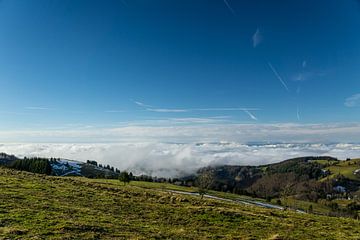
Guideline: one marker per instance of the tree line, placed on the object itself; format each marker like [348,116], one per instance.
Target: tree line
[34,165]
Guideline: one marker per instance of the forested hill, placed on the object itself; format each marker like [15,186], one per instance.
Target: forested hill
[6,159]
[59,167]
[306,178]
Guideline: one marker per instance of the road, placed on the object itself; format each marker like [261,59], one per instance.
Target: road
[246,202]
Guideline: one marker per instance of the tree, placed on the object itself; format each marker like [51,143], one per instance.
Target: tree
[204,181]
[310,210]
[124,177]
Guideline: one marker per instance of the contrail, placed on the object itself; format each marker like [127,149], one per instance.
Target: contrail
[225,109]
[298,113]
[229,7]
[182,110]
[166,110]
[278,76]
[124,3]
[250,115]
[142,104]
[152,109]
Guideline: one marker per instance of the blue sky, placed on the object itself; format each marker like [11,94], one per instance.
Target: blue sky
[65,64]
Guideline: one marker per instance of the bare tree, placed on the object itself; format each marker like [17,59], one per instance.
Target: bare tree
[124,177]
[204,182]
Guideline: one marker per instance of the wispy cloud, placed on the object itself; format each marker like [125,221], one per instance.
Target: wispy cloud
[257,38]
[166,110]
[114,111]
[206,120]
[176,121]
[307,74]
[277,75]
[183,110]
[304,64]
[147,131]
[38,108]
[225,109]
[353,101]
[11,113]
[229,7]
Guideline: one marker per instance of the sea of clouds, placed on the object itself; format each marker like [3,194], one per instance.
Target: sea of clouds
[170,151]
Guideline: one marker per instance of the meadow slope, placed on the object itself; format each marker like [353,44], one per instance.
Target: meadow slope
[36,206]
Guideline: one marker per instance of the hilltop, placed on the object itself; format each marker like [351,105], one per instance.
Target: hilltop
[35,206]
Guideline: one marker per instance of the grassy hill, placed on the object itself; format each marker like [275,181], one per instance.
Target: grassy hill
[36,206]
[345,168]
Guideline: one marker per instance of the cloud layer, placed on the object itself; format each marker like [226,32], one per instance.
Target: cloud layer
[191,130]
[174,146]
[175,159]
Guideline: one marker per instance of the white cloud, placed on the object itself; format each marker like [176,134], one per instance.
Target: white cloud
[257,38]
[308,75]
[176,145]
[38,108]
[173,159]
[11,113]
[186,130]
[353,101]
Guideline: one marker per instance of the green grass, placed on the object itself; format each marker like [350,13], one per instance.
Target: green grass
[43,207]
[319,208]
[345,168]
[173,187]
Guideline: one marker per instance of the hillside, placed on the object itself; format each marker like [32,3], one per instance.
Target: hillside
[36,206]
[255,179]
[349,169]
[59,166]
[323,184]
